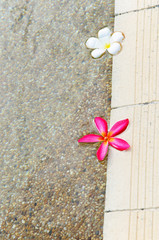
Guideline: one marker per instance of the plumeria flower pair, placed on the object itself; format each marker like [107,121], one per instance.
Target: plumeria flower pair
[105,42]
[107,137]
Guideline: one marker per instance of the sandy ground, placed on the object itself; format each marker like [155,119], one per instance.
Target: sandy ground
[51,187]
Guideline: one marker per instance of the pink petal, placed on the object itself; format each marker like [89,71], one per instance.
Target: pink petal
[91,138]
[102,151]
[119,144]
[118,127]
[101,125]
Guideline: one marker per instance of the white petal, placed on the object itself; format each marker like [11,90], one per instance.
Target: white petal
[97,53]
[104,32]
[93,43]
[104,41]
[115,48]
[117,37]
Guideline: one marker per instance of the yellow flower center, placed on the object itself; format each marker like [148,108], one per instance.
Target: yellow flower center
[107,45]
[106,139]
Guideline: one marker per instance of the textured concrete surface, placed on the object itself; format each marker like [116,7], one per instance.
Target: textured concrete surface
[51,89]
[132,191]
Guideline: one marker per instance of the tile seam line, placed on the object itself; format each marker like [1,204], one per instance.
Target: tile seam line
[137,104]
[136,10]
[133,210]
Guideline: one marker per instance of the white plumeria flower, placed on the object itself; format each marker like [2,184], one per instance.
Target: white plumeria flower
[105,42]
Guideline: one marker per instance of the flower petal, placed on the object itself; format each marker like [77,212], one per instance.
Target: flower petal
[102,151]
[118,127]
[101,125]
[93,43]
[104,32]
[115,48]
[97,53]
[91,138]
[117,37]
[119,144]
[105,41]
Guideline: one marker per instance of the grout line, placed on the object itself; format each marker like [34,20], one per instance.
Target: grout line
[129,226]
[156,85]
[150,55]
[139,159]
[136,10]
[146,169]
[136,58]
[144,232]
[131,173]
[137,104]
[152,225]
[133,210]
[135,89]
[143,53]
[153,166]
[153,173]
[137,226]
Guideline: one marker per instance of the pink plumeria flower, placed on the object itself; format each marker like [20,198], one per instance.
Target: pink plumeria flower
[105,42]
[107,137]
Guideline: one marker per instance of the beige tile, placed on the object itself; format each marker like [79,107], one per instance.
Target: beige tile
[132,192]
[123,74]
[132,225]
[126,6]
[119,167]
[133,175]
[116,225]
[135,69]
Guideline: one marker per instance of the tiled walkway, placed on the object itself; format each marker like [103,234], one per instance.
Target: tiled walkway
[132,192]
